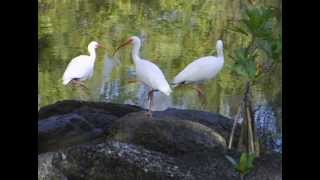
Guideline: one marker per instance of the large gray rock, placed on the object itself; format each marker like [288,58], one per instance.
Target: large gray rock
[109,161]
[167,135]
[215,121]
[71,122]
[81,140]
[114,160]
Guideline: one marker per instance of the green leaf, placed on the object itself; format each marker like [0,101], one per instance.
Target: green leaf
[251,69]
[245,164]
[259,21]
[240,71]
[240,55]
[238,30]
[276,48]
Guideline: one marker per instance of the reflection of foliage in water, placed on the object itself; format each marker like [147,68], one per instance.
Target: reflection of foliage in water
[268,131]
[175,32]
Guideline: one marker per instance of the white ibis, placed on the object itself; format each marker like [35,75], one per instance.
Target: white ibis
[81,68]
[202,69]
[147,72]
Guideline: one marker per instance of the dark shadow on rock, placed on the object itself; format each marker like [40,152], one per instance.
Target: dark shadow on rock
[61,131]
[268,166]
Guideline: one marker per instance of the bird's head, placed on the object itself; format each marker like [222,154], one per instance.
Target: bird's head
[219,44]
[94,45]
[131,40]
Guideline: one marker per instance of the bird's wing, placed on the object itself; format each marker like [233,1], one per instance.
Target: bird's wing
[151,75]
[77,68]
[200,69]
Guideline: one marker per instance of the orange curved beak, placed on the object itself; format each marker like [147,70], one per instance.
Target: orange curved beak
[100,46]
[122,45]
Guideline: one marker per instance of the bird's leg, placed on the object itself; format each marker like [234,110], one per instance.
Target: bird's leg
[132,81]
[81,84]
[199,90]
[78,83]
[72,84]
[150,98]
[201,93]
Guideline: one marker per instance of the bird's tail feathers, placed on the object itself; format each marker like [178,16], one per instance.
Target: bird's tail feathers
[167,91]
[65,81]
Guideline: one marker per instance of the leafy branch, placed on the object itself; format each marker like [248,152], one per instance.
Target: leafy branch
[257,24]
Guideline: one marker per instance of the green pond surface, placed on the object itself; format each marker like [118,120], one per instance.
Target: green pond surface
[173,33]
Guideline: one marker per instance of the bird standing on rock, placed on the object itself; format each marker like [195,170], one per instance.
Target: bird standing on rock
[81,67]
[202,69]
[147,72]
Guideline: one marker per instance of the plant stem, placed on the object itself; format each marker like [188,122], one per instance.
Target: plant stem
[246,129]
[241,177]
[254,130]
[250,131]
[234,125]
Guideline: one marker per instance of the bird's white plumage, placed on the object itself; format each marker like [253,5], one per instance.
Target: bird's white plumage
[151,75]
[202,69]
[81,67]
[148,72]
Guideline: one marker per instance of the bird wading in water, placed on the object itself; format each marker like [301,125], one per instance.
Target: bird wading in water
[81,68]
[202,69]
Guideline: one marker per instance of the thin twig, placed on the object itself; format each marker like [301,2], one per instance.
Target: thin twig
[234,125]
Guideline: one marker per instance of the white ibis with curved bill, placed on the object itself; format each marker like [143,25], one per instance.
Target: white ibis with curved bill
[202,69]
[81,67]
[147,72]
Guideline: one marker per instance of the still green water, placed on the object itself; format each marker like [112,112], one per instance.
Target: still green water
[174,33]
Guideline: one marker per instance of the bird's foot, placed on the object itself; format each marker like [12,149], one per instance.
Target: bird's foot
[199,90]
